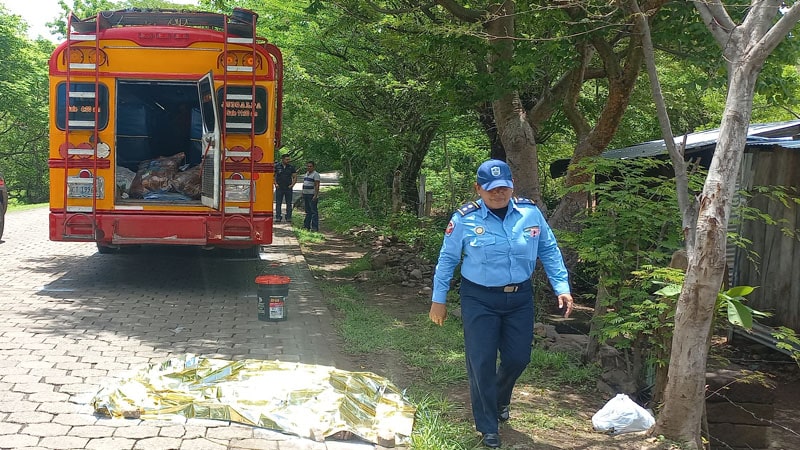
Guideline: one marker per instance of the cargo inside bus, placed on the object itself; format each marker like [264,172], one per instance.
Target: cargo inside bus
[158,149]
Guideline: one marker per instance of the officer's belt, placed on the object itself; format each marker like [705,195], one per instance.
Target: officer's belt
[509,288]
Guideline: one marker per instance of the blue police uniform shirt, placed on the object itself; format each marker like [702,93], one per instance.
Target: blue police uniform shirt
[498,252]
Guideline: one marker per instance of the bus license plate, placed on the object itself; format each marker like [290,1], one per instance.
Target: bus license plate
[82,187]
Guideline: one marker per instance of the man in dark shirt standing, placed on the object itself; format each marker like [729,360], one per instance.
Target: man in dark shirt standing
[285,178]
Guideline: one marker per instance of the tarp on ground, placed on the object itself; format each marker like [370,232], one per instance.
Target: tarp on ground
[310,401]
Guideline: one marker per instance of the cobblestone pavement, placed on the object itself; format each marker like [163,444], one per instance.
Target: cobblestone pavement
[72,320]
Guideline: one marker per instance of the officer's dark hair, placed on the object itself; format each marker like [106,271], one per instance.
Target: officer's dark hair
[286,155]
[312,163]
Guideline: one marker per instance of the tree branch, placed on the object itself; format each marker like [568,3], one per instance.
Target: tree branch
[717,20]
[679,164]
[778,32]
[573,92]
[462,13]
[377,8]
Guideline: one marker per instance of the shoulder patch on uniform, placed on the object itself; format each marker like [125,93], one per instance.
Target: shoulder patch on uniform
[450,226]
[468,208]
[524,201]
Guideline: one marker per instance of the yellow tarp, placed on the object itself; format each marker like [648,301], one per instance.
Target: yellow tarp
[311,401]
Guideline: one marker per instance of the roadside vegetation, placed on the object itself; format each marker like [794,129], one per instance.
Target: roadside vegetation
[625,248]
[433,357]
[393,93]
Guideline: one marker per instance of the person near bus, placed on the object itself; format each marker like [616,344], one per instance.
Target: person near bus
[311,181]
[285,178]
[499,239]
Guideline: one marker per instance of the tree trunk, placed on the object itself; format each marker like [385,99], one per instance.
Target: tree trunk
[520,145]
[517,136]
[397,198]
[593,145]
[600,310]
[413,164]
[486,118]
[684,394]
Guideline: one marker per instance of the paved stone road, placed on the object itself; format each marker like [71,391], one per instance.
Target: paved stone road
[71,320]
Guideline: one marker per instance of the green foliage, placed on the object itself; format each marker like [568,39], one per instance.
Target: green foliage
[340,211]
[730,303]
[342,214]
[632,230]
[305,237]
[634,222]
[752,208]
[644,321]
[788,340]
[23,111]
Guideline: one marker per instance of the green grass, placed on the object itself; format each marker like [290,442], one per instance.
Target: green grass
[354,268]
[14,206]
[306,237]
[437,427]
[437,351]
[556,369]
[551,417]
[339,214]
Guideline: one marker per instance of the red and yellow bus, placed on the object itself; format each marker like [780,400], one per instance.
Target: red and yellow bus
[163,130]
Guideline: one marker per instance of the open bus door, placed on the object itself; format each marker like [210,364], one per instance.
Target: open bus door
[212,151]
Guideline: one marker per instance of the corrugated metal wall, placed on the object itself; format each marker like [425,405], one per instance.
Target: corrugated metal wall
[776,270]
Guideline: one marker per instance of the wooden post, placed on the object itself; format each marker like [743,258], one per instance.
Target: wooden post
[396,196]
[421,196]
[428,203]
[362,195]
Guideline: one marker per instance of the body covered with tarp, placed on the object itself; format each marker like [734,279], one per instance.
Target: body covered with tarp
[310,401]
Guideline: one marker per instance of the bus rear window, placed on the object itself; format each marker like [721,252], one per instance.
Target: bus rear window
[238,108]
[81,106]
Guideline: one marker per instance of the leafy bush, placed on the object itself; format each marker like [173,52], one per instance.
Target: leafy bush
[342,214]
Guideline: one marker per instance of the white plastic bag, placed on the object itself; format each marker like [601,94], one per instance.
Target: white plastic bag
[622,415]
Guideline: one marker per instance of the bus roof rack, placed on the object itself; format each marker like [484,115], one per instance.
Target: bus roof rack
[240,22]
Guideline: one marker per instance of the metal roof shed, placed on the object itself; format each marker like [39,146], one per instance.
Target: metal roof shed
[771,158]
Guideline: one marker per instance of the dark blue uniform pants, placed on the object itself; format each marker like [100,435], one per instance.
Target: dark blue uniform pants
[281,195]
[495,321]
[311,221]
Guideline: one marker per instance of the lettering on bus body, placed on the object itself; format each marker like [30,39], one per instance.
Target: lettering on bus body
[83,109]
[240,111]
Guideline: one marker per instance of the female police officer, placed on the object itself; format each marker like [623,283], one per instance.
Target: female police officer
[500,239]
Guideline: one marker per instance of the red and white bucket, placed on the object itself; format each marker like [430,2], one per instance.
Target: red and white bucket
[272,293]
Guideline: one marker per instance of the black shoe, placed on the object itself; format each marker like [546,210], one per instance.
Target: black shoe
[491,440]
[278,220]
[503,413]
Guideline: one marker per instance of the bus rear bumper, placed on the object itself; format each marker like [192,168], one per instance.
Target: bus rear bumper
[200,229]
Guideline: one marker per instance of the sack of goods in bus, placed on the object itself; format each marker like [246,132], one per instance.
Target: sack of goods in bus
[159,130]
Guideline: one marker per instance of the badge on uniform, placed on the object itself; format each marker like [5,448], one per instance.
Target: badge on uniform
[449,229]
[534,231]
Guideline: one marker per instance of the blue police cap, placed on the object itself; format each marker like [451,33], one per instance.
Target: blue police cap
[494,173]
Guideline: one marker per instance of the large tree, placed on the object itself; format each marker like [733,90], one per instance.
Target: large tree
[745,45]
[23,110]
[596,41]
